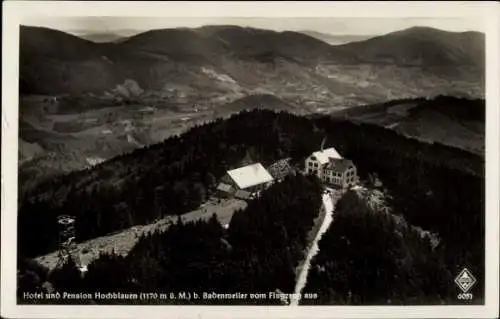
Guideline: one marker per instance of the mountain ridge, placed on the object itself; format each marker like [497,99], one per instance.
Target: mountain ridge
[45,50]
[114,97]
[450,48]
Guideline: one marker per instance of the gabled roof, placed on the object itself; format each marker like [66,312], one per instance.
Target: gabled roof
[224,187]
[341,165]
[250,175]
[324,156]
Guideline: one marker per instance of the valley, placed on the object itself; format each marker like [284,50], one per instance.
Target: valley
[133,135]
[83,102]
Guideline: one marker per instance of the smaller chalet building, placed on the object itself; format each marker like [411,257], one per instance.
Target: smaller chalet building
[244,182]
[280,169]
[331,168]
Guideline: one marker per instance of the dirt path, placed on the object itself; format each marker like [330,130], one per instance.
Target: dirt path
[329,201]
[123,241]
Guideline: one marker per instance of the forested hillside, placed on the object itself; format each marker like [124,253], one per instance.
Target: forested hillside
[83,102]
[258,253]
[436,187]
[372,257]
[169,178]
[175,176]
[448,120]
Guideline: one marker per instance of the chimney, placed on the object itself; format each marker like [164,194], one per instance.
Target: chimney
[323,143]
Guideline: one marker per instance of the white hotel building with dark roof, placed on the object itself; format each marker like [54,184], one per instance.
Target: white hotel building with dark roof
[332,168]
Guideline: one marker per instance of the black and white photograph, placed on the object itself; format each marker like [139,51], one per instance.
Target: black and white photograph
[236,158]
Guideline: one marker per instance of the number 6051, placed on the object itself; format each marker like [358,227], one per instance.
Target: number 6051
[467,296]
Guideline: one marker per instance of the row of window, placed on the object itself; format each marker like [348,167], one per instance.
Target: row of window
[349,174]
[332,173]
[336,181]
[339,181]
[312,170]
[313,164]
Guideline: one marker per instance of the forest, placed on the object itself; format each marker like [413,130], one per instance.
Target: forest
[169,178]
[258,253]
[446,198]
[436,187]
[370,257]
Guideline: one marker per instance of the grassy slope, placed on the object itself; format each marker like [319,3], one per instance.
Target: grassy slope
[444,120]
[123,241]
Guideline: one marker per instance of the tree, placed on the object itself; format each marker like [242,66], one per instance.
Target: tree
[67,278]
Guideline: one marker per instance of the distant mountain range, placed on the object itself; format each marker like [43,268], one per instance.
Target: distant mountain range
[103,37]
[113,97]
[423,46]
[406,63]
[337,39]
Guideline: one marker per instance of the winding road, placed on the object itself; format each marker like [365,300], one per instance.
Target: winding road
[329,201]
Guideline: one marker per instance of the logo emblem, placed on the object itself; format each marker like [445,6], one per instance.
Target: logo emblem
[465,280]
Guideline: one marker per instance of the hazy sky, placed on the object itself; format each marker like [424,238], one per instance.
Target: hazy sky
[348,26]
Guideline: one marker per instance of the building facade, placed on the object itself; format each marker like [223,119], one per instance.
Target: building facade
[245,182]
[331,168]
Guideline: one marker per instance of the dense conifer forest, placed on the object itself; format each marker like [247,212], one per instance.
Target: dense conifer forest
[436,187]
[371,257]
[258,253]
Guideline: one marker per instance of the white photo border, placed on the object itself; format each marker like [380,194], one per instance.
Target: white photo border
[17,12]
